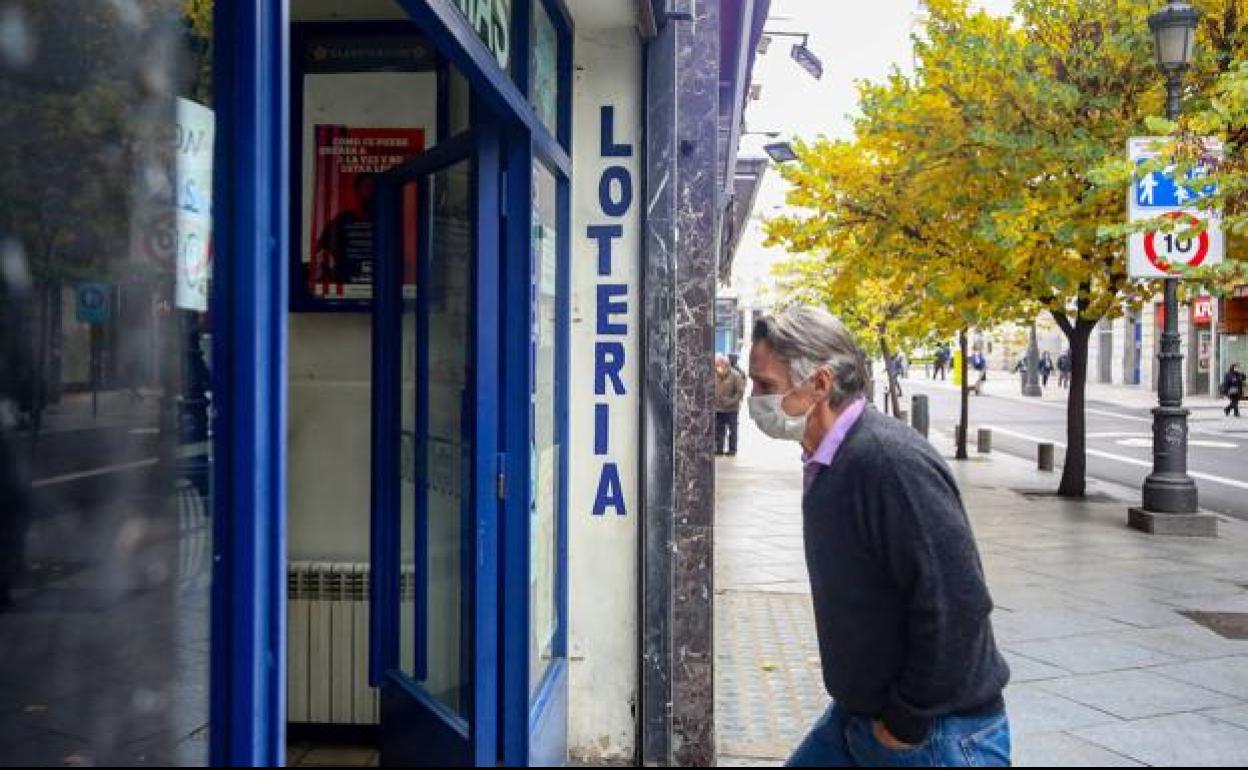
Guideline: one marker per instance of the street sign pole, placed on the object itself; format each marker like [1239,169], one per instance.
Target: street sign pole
[1170,504]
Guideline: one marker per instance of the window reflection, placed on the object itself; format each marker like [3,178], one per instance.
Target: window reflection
[105,381]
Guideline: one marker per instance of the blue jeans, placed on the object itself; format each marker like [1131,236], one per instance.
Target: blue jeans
[841,739]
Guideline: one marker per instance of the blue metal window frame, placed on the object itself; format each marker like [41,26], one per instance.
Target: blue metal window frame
[523,711]
[248,673]
[448,737]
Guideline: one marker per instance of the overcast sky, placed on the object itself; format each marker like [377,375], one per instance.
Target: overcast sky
[856,40]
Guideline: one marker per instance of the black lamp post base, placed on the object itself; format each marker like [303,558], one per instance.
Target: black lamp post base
[1173,524]
[1170,492]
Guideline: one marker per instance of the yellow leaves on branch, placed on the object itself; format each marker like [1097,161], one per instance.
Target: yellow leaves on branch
[989,183]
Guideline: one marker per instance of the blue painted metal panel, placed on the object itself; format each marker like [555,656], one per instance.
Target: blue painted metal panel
[516,301]
[487,397]
[248,692]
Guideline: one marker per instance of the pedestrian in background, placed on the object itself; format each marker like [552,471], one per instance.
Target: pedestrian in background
[1046,369]
[1233,388]
[941,361]
[980,365]
[729,390]
[1021,368]
[901,605]
[1063,369]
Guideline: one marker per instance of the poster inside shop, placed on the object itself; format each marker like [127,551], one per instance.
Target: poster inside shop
[348,160]
[365,102]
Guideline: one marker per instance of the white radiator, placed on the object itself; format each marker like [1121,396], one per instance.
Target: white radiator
[327,658]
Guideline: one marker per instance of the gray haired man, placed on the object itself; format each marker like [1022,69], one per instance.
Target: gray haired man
[901,606]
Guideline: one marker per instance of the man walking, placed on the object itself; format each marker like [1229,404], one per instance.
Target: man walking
[942,360]
[1046,369]
[901,606]
[729,390]
[1063,369]
[1233,388]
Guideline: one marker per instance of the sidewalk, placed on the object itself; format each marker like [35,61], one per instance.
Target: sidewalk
[1206,411]
[1106,672]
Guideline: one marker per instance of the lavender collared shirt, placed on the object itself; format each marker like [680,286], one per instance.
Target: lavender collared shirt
[823,456]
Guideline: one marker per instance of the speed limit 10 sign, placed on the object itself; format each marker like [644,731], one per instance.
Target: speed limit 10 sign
[1157,254]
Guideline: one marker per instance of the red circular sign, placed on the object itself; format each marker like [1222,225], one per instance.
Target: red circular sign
[1185,251]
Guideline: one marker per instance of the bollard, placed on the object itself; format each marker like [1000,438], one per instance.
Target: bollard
[985,441]
[1044,457]
[919,415]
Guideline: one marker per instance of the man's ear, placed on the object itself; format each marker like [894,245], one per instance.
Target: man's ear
[823,382]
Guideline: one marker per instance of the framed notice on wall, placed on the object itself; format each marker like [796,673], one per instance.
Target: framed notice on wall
[365,99]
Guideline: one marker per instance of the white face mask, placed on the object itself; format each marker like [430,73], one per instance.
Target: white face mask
[769,415]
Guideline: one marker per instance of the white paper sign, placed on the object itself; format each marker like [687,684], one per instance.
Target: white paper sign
[194,142]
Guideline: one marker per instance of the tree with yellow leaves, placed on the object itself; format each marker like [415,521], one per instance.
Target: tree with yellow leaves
[884,234]
[992,143]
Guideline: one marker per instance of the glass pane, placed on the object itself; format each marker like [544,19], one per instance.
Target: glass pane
[105,387]
[444,436]
[545,504]
[408,395]
[544,68]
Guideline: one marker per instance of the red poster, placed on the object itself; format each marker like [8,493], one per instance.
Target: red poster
[346,164]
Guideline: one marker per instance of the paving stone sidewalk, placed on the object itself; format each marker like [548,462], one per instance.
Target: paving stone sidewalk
[1106,669]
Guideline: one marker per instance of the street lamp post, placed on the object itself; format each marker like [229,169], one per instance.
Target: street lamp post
[1170,503]
[1031,380]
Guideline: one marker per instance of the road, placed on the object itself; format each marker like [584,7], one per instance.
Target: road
[1119,441]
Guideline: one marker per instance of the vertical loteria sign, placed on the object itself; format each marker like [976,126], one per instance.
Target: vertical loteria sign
[611,316]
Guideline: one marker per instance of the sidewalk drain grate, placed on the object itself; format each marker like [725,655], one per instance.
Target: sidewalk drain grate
[1049,494]
[1228,625]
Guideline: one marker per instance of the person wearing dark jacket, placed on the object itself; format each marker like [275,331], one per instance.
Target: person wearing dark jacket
[729,390]
[901,604]
[1046,369]
[1233,388]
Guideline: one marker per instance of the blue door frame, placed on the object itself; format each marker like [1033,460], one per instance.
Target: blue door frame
[532,725]
[250,294]
[248,671]
[416,729]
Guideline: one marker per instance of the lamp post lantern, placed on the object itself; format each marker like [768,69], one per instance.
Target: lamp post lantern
[1170,503]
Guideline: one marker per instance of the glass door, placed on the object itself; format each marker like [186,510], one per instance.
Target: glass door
[434,594]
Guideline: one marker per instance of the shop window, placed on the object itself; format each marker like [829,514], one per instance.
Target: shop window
[544,68]
[546,454]
[106,403]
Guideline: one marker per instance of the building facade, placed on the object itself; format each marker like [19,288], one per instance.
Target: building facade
[355,376]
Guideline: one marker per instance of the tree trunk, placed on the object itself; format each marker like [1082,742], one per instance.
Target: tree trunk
[894,389]
[1075,470]
[39,383]
[964,422]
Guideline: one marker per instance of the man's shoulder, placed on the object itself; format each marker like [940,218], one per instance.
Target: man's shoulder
[881,442]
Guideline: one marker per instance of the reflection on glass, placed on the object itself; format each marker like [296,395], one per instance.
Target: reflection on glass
[444,444]
[105,381]
[546,450]
[543,68]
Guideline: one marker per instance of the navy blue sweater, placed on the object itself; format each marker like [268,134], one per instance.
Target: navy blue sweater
[901,605]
